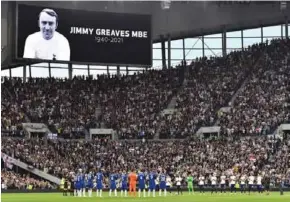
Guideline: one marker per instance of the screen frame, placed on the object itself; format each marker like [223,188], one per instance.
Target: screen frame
[31,60]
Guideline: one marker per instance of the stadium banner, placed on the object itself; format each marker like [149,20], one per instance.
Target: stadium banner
[65,35]
[101,131]
[285,127]
[212,129]
[35,127]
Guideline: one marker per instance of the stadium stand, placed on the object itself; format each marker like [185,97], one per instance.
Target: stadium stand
[253,83]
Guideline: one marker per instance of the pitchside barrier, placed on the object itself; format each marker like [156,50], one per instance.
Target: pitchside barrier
[184,189]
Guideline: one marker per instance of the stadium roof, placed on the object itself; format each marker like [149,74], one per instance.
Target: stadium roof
[188,18]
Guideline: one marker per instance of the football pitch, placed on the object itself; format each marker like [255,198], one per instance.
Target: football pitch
[57,197]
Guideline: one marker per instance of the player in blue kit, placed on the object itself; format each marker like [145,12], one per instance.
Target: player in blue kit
[152,184]
[113,186]
[90,183]
[162,185]
[141,183]
[99,182]
[83,184]
[79,181]
[124,183]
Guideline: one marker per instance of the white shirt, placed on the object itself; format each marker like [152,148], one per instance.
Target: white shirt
[243,180]
[36,47]
[223,179]
[213,180]
[259,180]
[168,181]
[201,180]
[233,179]
[251,179]
[178,181]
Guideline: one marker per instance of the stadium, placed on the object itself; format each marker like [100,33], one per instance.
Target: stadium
[145,101]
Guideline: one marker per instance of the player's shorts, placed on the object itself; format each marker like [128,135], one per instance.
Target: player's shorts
[250,186]
[90,185]
[83,185]
[113,186]
[162,185]
[141,186]
[124,187]
[152,187]
[189,187]
[201,186]
[78,186]
[259,187]
[223,186]
[132,185]
[233,186]
[99,186]
[242,186]
[213,186]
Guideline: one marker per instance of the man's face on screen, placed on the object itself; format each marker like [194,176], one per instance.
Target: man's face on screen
[47,25]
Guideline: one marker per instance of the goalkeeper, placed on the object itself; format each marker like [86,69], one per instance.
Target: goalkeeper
[190,183]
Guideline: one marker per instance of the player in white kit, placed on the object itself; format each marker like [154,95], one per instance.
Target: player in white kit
[223,183]
[233,183]
[213,183]
[251,182]
[201,184]
[259,183]
[243,183]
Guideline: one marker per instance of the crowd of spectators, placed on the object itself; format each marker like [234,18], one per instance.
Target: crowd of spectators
[13,180]
[132,104]
[261,104]
[240,156]
[210,84]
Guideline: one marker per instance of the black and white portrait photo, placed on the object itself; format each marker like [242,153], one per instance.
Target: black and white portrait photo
[47,43]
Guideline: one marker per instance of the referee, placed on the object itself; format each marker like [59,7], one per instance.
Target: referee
[65,186]
[267,184]
[72,187]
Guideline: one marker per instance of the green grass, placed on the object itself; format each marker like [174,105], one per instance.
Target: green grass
[57,197]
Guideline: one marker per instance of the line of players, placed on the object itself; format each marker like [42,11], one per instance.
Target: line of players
[163,181]
[91,181]
[235,182]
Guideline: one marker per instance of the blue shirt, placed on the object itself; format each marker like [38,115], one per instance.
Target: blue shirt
[124,178]
[99,178]
[141,178]
[163,178]
[152,177]
[113,178]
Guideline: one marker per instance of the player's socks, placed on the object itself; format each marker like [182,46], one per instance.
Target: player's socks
[149,193]
[110,192]
[125,193]
[121,193]
[101,193]
[75,193]
[165,192]
[154,193]
[115,192]
[97,192]
[79,193]
[144,193]
[139,193]
[159,192]
[84,192]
